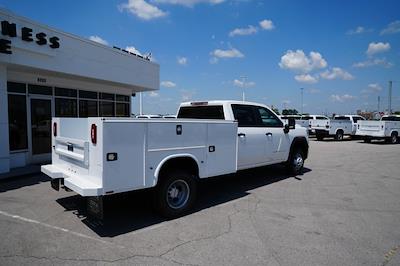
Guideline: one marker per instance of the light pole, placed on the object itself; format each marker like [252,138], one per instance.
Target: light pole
[301,89]
[243,78]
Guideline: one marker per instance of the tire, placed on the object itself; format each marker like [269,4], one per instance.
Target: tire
[393,138]
[339,135]
[175,194]
[367,140]
[295,164]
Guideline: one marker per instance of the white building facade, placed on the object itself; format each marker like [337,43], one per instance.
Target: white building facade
[47,73]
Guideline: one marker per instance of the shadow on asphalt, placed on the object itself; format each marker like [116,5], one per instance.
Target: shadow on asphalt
[127,212]
[22,181]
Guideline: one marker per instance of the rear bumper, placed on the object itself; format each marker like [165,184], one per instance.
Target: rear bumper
[79,184]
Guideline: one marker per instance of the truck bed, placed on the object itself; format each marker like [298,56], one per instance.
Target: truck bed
[129,153]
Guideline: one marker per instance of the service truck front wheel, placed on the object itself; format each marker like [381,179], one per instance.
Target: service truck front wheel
[175,194]
[295,163]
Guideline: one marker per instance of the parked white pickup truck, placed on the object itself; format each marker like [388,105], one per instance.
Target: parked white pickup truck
[388,128]
[338,127]
[96,157]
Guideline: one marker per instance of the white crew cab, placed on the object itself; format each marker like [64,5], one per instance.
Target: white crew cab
[338,127]
[388,128]
[96,157]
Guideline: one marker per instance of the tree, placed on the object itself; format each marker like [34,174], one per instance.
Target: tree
[290,112]
[275,110]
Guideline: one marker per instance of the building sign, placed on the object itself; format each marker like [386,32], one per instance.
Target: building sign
[27,35]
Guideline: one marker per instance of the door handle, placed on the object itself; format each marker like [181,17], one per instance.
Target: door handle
[268,134]
[242,135]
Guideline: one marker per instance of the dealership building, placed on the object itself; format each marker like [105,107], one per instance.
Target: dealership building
[47,73]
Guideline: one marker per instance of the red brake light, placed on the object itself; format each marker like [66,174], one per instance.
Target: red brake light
[55,129]
[93,133]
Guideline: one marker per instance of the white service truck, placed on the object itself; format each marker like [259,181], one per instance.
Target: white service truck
[96,157]
[306,120]
[338,127]
[388,128]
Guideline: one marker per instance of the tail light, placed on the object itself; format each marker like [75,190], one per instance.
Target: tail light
[382,126]
[55,129]
[93,133]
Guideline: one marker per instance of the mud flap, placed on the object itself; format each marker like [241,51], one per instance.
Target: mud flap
[95,207]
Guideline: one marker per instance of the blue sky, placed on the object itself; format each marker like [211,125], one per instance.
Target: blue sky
[343,53]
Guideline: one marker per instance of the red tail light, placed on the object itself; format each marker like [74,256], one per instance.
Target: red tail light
[93,133]
[55,129]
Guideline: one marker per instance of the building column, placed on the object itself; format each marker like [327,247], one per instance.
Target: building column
[4,140]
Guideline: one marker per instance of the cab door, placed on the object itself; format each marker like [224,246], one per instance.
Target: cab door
[278,143]
[252,140]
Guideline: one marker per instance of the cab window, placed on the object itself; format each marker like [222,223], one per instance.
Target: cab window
[245,115]
[267,118]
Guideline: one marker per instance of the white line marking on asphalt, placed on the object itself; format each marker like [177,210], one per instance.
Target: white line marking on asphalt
[17,217]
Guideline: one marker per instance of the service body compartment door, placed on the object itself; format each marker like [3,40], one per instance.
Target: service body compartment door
[221,149]
[127,141]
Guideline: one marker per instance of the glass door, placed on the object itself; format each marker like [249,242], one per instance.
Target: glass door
[40,121]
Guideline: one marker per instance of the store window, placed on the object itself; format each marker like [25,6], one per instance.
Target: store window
[17,124]
[66,107]
[106,108]
[122,105]
[88,108]
[38,89]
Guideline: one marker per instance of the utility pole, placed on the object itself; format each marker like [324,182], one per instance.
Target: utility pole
[140,104]
[390,97]
[243,78]
[379,103]
[301,89]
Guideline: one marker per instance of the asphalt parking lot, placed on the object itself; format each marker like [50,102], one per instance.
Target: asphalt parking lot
[344,210]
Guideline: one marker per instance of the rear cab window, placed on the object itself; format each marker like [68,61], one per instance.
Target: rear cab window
[202,112]
[341,118]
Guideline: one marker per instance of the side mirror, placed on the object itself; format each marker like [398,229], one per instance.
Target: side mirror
[291,125]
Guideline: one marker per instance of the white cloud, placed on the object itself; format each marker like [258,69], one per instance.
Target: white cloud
[267,24]
[342,98]
[372,88]
[154,94]
[299,61]
[286,102]
[182,60]
[379,47]
[187,95]
[231,53]
[132,49]
[373,62]
[358,30]
[168,84]
[306,78]
[243,84]
[189,3]
[392,28]
[244,31]
[98,39]
[142,9]
[336,73]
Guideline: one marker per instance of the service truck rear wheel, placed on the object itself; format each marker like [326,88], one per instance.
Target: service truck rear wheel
[339,135]
[175,194]
[295,163]
[393,138]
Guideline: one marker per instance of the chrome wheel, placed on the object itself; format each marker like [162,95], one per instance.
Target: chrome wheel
[298,162]
[394,138]
[178,194]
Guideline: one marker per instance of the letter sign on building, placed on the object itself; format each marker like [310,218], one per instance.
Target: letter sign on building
[27,35]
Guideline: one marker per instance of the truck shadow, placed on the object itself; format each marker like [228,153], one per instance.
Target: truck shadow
[128,212]
[22,181]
